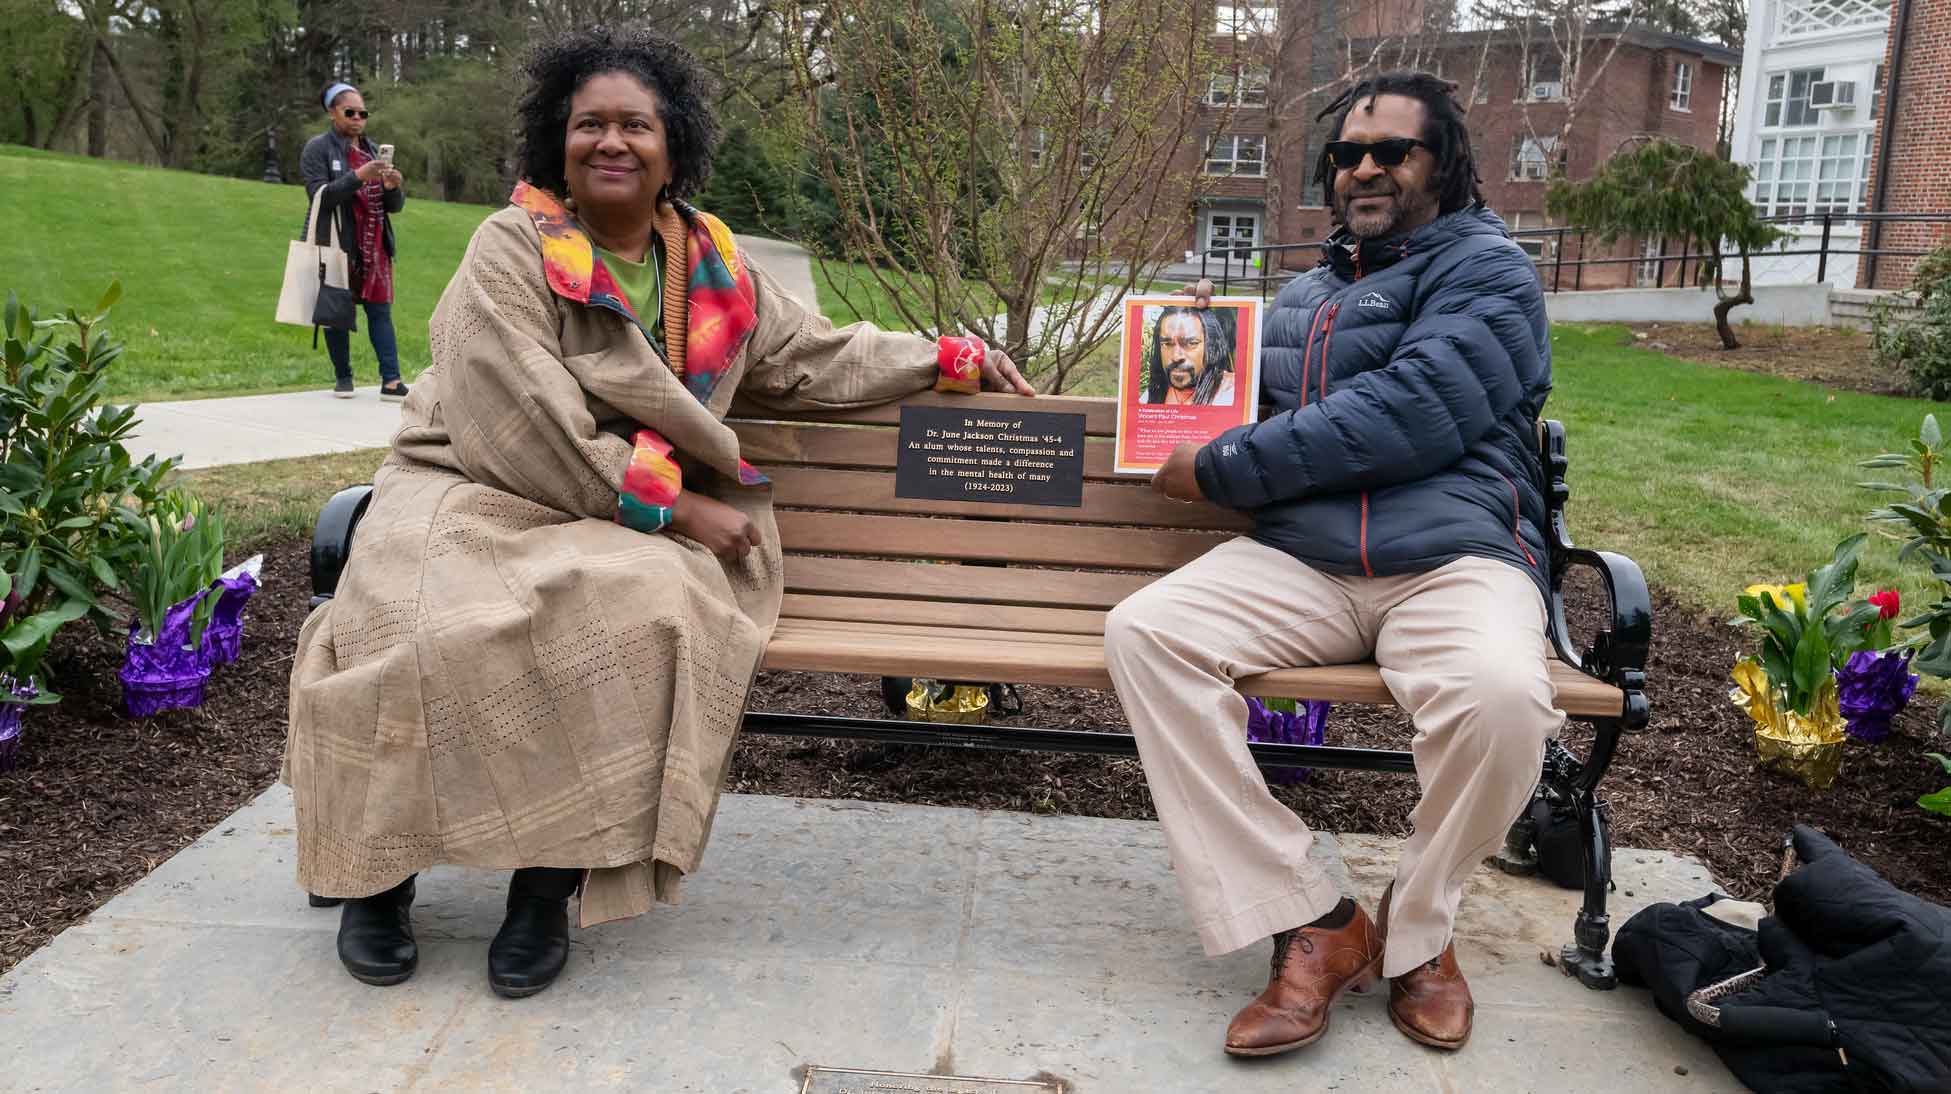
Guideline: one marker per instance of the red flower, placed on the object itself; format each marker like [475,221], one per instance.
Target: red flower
[1886,603]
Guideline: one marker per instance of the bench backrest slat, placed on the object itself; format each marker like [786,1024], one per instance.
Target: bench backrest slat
[1127,502]
[993,540]
[847,535]
[1083,589]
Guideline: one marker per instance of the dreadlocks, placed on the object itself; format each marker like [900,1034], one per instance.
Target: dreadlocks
[1455,179]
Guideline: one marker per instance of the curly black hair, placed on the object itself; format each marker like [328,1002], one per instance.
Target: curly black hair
[557,66]
[1219,355]
[1444,131]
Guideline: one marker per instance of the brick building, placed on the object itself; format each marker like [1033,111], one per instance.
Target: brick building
[1917,68]
[1261,139]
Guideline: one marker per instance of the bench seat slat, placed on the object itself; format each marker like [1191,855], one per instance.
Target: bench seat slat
[1132,502]
[1001,541]
[860,609]
[825,576]
[1062,660]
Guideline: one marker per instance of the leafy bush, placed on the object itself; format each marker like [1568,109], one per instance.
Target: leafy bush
[73,506]
[1919,347]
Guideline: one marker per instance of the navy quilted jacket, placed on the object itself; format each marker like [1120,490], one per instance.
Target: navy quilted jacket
[1401,386]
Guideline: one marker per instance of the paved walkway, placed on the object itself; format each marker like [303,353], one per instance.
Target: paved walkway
[818,933]
[246,429]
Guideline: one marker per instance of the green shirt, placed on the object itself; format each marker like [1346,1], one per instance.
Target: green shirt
[643,286]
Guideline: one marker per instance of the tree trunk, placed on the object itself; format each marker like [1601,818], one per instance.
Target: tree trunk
[1728,304]
[98,78]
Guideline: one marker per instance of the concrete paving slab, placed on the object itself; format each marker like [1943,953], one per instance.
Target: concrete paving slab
[250,428]
[846,934]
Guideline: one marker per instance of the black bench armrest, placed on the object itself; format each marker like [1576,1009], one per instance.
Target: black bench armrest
[1617,654]
[332,539]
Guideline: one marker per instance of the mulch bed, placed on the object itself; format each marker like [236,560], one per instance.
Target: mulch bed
[1835,357]
[101,799]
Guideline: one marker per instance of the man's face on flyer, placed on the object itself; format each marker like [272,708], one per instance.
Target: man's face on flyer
[1182,350]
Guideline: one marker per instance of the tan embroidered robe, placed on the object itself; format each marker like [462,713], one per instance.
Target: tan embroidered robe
[506,677]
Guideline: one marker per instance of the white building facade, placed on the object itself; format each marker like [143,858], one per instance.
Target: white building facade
[1811,89]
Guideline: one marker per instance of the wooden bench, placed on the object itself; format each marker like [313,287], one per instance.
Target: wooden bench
[889,586]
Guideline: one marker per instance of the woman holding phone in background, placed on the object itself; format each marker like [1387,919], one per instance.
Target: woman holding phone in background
[362,191]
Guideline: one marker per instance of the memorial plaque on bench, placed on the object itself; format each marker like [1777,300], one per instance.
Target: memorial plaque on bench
[847,1080]
[1019,458]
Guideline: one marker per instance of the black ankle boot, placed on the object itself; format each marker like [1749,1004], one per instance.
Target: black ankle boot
[376,936]
[533,943]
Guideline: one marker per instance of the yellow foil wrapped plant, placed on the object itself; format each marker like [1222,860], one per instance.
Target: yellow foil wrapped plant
[1788,687]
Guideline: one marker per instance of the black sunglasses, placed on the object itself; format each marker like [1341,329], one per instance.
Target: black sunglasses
[351,113]
[1348,155]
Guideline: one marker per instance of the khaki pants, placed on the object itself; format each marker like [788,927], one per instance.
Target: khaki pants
[1462,648]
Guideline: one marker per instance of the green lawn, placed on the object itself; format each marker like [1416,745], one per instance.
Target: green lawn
[200,260]
[1712,478]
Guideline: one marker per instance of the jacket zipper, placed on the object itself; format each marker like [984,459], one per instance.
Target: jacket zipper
[1517,520]
[1367,570]
[1327,341]
[1307,354]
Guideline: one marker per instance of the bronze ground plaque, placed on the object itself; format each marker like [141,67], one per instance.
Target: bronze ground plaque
[849,1080]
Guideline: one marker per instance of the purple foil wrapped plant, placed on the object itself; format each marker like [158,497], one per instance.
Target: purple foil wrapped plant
[164,671]
[1307,725]
[11,716]
[1871,688]
[223,639]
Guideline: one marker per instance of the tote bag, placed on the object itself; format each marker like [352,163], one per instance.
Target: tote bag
[311,265]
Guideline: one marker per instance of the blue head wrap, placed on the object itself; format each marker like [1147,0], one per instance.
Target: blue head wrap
[333,92]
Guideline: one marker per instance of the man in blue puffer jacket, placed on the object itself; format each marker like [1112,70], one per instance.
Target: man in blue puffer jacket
[1393,485]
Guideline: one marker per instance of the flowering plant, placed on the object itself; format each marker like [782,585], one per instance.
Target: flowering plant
[183,557]
[1811,628]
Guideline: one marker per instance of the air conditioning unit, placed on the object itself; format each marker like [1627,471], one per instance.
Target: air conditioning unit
[1832,95]
[1551,90]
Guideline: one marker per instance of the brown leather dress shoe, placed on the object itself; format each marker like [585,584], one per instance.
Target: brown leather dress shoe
[1431,1004]
[1312,966]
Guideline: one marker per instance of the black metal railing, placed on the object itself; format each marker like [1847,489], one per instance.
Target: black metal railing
[1236,265]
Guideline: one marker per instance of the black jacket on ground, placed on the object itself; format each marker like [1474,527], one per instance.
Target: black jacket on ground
[1403,380]
[323,163]
[1854,963]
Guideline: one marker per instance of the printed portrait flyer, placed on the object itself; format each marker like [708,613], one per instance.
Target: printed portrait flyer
[1186,374]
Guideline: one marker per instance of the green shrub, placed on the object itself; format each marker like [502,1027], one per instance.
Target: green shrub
[73,506]
[1919,347]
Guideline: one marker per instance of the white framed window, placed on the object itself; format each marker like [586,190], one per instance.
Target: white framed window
[1807,17]
[1532,158]
[1786,106]
[1646,274]
[1681,96]
[1234,154]
[1876,94]
[1034,141]
[1245,18]
[1540,247]
[1544,77]
[1238,87]
[1804,175]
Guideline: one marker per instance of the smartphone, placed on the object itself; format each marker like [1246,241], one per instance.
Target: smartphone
[386,154]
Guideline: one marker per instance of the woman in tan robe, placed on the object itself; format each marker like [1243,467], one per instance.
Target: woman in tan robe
[539,653]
